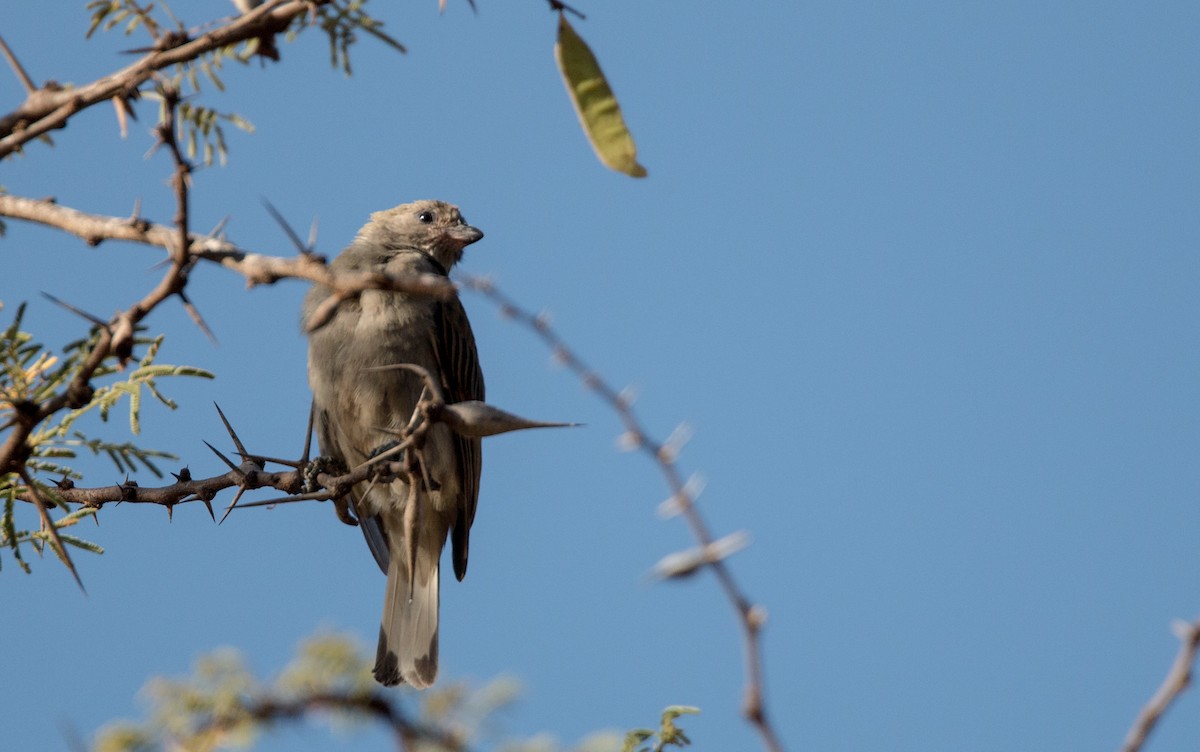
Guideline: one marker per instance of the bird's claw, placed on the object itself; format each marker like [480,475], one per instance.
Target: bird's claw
[382,448]
[318,465]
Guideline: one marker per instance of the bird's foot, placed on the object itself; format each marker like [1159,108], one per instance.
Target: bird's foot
[384,448]
[319,465]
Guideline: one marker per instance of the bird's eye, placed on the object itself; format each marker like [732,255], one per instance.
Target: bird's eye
[425,217]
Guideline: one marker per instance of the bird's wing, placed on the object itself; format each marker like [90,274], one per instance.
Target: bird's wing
[462,379]
[371,525]
[372,529]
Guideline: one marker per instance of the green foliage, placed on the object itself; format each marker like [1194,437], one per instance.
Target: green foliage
[200,127]
[222,705]
[341,20]
[12,539]
[106,397]
[109,13]
[30,376]
[203,122]
[667,735]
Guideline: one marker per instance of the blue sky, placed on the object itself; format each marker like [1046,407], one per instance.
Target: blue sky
[921,276]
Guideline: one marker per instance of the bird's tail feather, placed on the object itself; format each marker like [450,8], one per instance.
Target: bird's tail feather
[408,634]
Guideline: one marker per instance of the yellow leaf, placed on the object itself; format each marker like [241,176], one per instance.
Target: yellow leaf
[598,111]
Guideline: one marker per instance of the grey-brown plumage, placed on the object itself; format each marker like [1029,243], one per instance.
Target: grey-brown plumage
[358,410]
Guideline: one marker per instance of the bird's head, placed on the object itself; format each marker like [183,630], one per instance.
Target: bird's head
[435,227]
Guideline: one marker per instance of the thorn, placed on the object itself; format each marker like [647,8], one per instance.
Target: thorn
[170,512]
[479,419]
[626,397]
[197,319]
[686,497]
[260,460]
[630,440]
[367,490]
[122,110]
[386,454]
[232,434]
[686,563]
[225,459]
[312,236]
[314,496]
[17,69]
[208,505]
[412,518]
[286,227]
[669,451]
[128,489]
[75,310]
[236,497]
[216,231]
[308,432]
[47,524]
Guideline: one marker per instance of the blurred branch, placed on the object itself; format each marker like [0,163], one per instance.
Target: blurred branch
[751,617]
[1179,678]
[222,705]
[407,733]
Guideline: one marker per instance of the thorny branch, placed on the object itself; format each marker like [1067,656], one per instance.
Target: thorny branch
[1179,678]
[751,617]
[471,418]
[51,106]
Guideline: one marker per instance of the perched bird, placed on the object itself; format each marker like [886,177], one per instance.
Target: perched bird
[360,408]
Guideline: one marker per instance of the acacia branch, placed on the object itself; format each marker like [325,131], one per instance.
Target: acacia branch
[116,336]
[751,617]
[471,418]
[50,107]
[257,268]
[1178,679]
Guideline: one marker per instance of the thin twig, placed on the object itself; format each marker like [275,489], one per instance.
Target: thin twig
[48,108]
[751,616]
[560,6]
[1178,679]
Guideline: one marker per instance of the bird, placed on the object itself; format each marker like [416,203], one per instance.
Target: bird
[359,406]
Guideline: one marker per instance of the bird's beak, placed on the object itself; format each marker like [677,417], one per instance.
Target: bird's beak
[464,235]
